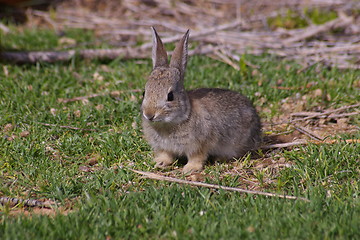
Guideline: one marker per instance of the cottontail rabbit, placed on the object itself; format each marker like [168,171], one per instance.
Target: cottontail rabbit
[198,123]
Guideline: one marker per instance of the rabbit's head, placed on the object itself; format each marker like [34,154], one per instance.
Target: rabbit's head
[165,99]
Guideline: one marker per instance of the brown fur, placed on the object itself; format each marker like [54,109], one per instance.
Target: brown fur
[197,124]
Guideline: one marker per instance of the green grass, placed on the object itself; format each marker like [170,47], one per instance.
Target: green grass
[111,201]
[294,19]
[177,212]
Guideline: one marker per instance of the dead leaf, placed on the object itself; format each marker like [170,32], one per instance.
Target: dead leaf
[39,211]
[6,71]
[98,77]
[310,84]
[85,101]
[105,68]
[317,93]
[356,84]
[11,138]
[196,177]
[83,168]
[55,154]
[133,98]
[65,41]
[24,133]
[115,93]
[93,159]
[342,122]
[99,107]
[255,72]
[77,113]
[53,111]
[8,127]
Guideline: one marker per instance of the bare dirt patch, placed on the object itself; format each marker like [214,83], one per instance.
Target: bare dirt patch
[30,212]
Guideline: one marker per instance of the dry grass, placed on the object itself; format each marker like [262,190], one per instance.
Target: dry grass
[242,27]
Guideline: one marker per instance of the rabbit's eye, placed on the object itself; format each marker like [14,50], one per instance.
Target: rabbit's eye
[143,94]
[170,96]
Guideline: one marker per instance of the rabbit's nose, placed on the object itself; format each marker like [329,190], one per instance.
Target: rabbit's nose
[149,116]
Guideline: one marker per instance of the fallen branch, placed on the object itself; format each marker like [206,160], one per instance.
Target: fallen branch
[203,49]
[63,56]
[304,114]
[315,114]
[285,145]
[227,60]
[323,114]
[197,34]
[304,142]
[308,133]
[123,53]
[341,48]
[56,56]
[344,114]
[153,22]
[26,202]
[295,44]
[154,176]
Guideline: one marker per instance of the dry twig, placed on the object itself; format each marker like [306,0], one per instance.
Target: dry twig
[308,132]
[114,93]
[154,176]
[212,24]
[197,34]
[323,114]
[304,142]
[285,145]
[56,56]
[26,202]
[68,127]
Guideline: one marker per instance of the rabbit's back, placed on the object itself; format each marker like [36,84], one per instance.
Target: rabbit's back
[227,120]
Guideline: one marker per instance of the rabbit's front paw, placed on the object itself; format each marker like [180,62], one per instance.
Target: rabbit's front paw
[163,159]
[195,163]
[192,167]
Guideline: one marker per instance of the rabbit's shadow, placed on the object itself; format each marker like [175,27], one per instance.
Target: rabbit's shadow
[213,160]
[253,155]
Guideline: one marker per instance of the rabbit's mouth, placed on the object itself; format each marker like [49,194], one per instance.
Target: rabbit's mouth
[159,119]
[150,117]
[153,117]
[167,115]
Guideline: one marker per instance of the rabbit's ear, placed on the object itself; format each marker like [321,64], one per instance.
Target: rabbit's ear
[159,55]
[180,54]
